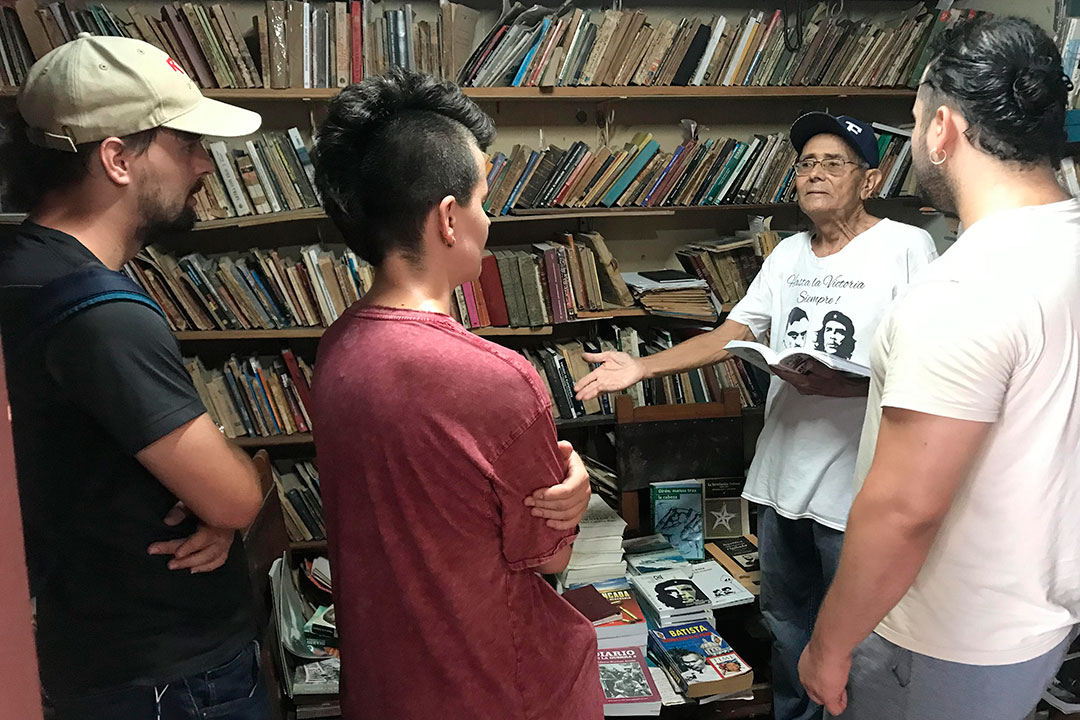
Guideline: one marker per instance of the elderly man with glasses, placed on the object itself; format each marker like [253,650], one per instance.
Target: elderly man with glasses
[839,276]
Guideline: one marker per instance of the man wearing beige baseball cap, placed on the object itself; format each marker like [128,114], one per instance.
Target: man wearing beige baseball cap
[131,496]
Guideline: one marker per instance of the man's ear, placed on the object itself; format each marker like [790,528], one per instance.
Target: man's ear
[447,213]
[115,160]
[871,183]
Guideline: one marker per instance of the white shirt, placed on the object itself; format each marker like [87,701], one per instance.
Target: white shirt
[806,452]
[991,333]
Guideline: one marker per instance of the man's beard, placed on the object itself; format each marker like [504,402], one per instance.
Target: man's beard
[158,218]
[932,184]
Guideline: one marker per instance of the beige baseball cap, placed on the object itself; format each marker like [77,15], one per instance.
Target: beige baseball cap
[94,87]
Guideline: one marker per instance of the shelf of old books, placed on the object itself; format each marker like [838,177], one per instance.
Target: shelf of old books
[594,94]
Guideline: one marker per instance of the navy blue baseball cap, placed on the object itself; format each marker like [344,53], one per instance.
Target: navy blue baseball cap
[859,135]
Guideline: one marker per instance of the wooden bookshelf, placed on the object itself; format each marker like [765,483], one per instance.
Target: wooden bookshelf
[287,334]
[596,94]
[317,332]
[541,215]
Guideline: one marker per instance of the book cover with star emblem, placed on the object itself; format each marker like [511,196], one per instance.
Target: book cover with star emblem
[726,514]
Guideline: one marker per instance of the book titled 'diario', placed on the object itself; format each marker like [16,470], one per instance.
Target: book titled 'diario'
[701,660]
[628,685]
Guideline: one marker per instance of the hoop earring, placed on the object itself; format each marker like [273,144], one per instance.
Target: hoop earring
[944,157]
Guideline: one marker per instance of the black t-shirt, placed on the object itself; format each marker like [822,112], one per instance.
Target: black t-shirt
[104,385]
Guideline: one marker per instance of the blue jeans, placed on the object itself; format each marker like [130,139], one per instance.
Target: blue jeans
[798,561]
[233,691]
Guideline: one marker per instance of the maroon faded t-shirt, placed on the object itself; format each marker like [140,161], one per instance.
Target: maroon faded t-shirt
[429,439]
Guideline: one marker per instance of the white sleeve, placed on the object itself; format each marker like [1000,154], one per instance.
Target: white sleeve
[756,309]
[951,353]
[921,252]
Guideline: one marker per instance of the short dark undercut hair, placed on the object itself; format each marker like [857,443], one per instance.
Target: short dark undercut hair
[391,148]
[1004,75]
[30,172]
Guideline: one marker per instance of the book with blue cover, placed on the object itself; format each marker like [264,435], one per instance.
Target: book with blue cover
[700,659]
[677,515]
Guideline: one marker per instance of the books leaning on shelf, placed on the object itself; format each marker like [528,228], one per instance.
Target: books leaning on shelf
[290,287]
[255,397]
[700,660]
[627,683]
[288,44]
[551,282]
[729,265]
[575,47]
[562,364]
[297,483]
[270,173]
[699,172]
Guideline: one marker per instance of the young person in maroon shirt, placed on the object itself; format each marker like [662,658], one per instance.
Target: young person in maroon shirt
[437,449]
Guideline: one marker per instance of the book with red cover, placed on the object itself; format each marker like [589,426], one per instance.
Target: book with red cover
[470,304]
[492,288]
[299,381]
[588,601]
[356,21]
[627,682]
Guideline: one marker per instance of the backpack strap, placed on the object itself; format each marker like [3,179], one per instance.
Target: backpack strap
[87,287]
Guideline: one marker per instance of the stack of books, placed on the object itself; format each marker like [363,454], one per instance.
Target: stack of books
[653,553]
[699,172]
[289,287]
[672,293]
[727,266]
[256,397]
[297,484]
[673,596]
[576,47]
[699,661]
[270,173]
[597,553]
[628,629]
[321,629]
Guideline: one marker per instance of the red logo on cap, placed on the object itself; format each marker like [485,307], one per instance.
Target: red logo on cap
[174,66]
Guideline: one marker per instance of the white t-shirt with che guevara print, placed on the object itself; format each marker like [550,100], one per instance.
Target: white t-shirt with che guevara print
[805,460]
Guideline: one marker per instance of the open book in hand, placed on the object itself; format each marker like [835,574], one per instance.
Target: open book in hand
[794,359]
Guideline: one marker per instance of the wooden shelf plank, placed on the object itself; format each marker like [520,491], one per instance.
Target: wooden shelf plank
[584,422]
[598,94]
[308,546]
[269,218]
[317,332]
[287,334]
[275,440]
[673,93]
[550,215]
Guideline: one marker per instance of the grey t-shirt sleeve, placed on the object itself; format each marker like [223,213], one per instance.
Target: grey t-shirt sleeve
[120,363]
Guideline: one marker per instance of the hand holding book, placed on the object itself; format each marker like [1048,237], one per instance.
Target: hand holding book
[813,378]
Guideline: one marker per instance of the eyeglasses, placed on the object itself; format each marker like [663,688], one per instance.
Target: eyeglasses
[831,166]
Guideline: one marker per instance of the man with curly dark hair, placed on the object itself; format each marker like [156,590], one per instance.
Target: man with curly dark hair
[437,449]
[959,580]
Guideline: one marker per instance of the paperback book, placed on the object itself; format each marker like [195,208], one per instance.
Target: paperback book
[677,515]
[703,661]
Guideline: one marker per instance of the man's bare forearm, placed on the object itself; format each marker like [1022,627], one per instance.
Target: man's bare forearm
[696,352]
